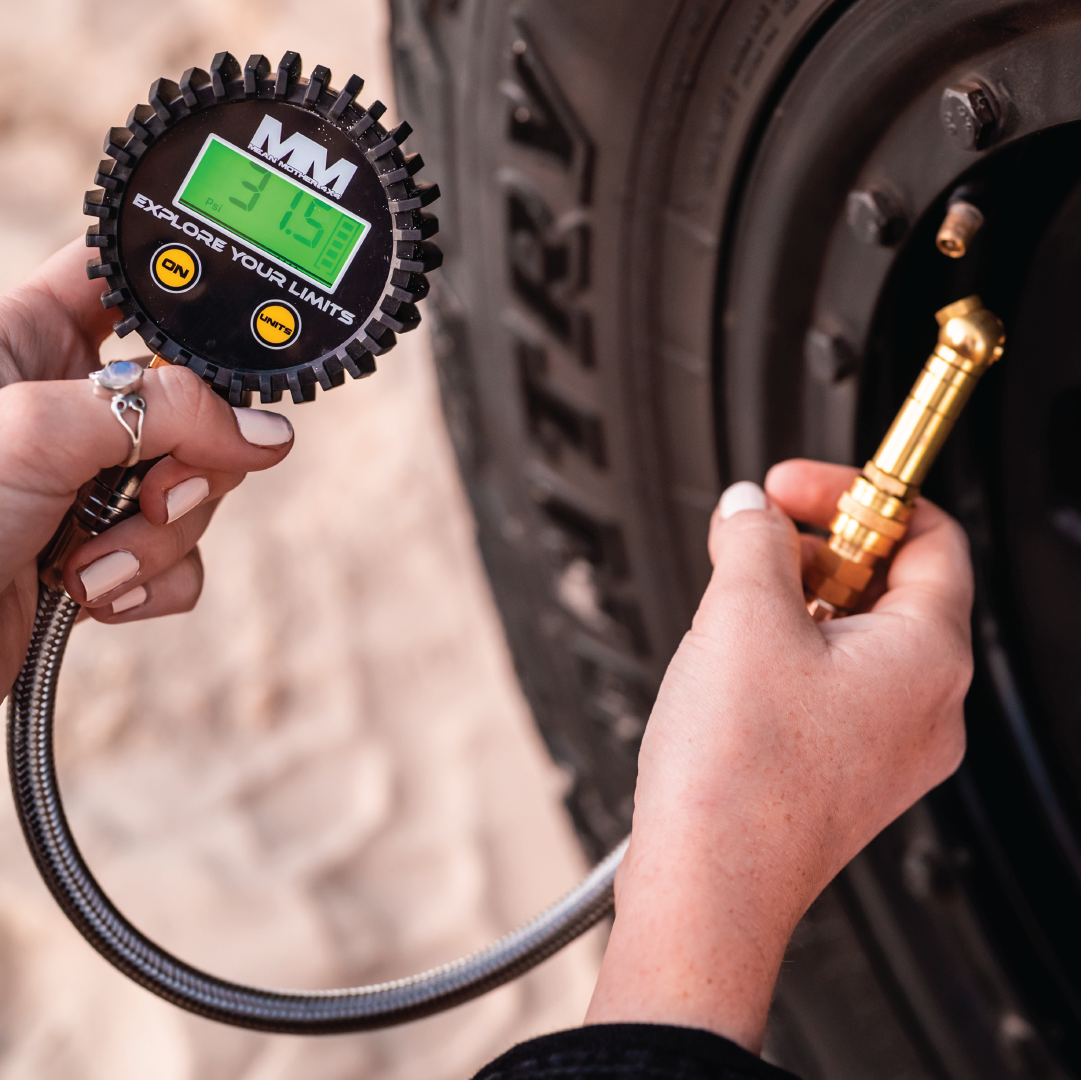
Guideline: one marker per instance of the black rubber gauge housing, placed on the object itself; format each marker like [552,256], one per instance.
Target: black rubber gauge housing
[261,228]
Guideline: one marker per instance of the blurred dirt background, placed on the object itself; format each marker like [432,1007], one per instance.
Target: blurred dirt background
[326,774]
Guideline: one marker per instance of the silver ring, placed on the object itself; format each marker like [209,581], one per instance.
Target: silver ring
[119,382]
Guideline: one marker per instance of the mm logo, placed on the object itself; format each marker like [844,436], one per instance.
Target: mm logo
[275,324]
[301,155]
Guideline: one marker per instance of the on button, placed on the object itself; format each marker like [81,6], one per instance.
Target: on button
[175,268]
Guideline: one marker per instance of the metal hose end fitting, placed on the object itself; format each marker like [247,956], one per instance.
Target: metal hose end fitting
[111,497]
[872,516]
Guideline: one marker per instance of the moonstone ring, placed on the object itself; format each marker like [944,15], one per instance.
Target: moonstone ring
[119,382]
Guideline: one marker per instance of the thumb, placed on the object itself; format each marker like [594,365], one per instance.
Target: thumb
[755,551]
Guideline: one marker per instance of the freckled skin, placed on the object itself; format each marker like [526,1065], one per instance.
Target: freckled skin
[777,749]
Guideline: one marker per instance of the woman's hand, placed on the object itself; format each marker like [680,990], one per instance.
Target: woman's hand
[776,750]
[56,435]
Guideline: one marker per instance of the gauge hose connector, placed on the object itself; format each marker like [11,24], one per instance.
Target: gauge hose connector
[872,516]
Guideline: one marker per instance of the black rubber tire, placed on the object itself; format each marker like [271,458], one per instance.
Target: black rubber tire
[589,154]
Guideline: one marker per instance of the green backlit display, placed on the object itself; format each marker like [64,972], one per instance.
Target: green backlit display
[259,205]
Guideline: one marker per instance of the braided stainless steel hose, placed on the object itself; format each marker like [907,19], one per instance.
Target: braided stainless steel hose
[320,1012]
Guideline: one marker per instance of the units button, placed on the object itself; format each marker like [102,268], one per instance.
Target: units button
[175,268]
[275,324]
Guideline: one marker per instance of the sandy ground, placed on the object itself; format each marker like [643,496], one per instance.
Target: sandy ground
[326,774]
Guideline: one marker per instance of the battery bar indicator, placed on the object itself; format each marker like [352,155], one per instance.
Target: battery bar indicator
[264,209]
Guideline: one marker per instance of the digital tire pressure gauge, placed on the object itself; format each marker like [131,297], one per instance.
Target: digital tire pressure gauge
[265,231]
[262,229]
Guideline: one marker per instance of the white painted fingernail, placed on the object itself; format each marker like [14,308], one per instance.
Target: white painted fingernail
[105,574]
[187,495]
[129,600]
[743,495]
[262,428]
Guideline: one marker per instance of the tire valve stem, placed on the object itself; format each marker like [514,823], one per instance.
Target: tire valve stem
[873,515]
[958,229]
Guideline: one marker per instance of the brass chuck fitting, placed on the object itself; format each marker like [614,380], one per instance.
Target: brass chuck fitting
[873,515]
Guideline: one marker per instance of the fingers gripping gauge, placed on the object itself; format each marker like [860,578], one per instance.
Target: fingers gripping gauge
[262,229]
[266,232]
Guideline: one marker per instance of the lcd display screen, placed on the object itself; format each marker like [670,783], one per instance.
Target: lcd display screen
[254,203]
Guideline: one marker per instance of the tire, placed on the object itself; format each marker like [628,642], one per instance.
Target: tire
[654,285]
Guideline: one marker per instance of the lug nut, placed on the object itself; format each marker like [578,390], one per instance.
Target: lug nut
[962,222]
[970,114]
[875,217]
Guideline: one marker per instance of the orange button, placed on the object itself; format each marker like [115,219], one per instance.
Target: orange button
[175,268]
[275,324]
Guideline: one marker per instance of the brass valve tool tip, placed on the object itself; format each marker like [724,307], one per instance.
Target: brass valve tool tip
[873,515]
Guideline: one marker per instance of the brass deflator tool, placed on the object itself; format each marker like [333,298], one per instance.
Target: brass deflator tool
[872,516]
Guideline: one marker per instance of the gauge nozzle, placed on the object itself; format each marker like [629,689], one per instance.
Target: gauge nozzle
[111,497]
[873,515]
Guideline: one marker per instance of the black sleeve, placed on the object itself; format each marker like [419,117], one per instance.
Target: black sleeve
[630,1052]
